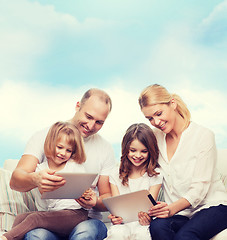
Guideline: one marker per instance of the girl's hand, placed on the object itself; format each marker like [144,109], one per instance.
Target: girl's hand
[144,218]
[161,210]
[115,220]
[3,237]
[88,194]
[88,199]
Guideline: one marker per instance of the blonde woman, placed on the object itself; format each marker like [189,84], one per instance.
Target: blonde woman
[195,204]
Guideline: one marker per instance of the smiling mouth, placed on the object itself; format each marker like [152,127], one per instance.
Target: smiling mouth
[162,126]
[61,158]
[85,130]
[137,160]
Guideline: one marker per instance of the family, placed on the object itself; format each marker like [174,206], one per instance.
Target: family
[176,155]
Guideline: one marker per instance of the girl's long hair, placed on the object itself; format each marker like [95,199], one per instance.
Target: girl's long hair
[145,135]
[73,138]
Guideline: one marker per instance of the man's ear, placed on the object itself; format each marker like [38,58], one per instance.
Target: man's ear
[77,106]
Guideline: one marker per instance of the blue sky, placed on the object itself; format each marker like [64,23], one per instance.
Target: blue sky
[53,51]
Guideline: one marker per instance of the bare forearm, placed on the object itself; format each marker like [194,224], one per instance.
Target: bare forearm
[99,205]
[22,181]
[178,206]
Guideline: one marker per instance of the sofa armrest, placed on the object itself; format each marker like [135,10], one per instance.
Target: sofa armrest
[12,202]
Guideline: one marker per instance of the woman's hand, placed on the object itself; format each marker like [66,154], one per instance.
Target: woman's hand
[88,199]
[161,210]
[115,219]
[144,218]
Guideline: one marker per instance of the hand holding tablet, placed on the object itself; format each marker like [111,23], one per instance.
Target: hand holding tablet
[76,184]
[129,205]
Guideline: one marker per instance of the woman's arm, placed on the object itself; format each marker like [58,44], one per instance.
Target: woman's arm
[144,218]
[163,210]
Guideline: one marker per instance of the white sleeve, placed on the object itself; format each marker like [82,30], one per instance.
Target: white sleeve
[114,176]
[206,158]
[109,161]
[35,145]
[157,179]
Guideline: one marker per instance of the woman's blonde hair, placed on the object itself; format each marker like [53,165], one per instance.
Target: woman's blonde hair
[73,138]
[157,94]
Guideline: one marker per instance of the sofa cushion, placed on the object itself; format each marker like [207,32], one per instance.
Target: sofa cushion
[12,202]
[220,236]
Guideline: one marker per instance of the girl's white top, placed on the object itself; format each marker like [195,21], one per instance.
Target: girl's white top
[143,182]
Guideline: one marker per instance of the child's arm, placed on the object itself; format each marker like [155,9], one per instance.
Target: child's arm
[115,220]
[115,192]
[154,191]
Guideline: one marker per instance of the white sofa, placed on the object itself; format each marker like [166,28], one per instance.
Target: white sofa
[13,202]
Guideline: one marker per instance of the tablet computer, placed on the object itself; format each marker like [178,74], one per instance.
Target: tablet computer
[129,205]
[76,184]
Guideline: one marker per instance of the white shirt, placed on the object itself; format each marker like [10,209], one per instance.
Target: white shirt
[99,153]
[143,182]
[58,204]
[191,173]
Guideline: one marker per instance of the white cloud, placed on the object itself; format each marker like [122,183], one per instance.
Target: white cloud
[218,14]
[28,108]
[25,109]
[29,30]
[213,28]
[125,112]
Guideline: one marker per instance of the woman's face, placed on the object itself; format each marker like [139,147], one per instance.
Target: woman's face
[138,153]
[161,116]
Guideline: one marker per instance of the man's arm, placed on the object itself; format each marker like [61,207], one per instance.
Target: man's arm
[104,192]
[24,178]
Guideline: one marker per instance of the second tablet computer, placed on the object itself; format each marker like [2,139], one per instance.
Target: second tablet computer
[129,205]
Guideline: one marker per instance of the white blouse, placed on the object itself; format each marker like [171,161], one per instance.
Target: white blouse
[191,173]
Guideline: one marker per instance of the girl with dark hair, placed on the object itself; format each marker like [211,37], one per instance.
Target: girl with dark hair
[138,171]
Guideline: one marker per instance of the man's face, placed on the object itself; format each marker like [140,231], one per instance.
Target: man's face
[90,118]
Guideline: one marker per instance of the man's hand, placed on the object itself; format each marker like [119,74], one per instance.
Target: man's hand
[47,181]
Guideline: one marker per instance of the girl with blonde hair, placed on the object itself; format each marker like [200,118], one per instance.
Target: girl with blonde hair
[64,151]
